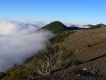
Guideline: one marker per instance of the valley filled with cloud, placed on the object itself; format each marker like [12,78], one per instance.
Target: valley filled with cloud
[19,41]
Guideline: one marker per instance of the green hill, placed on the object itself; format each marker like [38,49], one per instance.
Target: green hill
[56,27]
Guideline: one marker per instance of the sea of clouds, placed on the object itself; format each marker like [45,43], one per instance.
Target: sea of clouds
[19,41]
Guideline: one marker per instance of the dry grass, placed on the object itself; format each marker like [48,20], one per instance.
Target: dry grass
[83,39]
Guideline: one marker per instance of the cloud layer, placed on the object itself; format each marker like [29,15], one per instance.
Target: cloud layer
[10,27]
[18,42]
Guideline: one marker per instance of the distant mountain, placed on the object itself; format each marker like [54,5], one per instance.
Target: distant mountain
[74,27]
[97,25]
[56,27]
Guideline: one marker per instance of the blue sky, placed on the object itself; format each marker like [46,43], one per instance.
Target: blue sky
[74,11]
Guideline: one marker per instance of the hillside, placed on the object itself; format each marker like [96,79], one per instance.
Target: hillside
[56,27]
[70,55]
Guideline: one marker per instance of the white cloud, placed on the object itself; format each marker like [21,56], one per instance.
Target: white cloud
[10,27]
[18,42]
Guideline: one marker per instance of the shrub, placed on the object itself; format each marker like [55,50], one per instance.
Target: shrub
[55,58]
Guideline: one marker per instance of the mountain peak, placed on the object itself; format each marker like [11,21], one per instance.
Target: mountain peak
[56,27]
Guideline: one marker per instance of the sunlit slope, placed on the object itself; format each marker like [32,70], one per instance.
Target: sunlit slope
[87,44]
